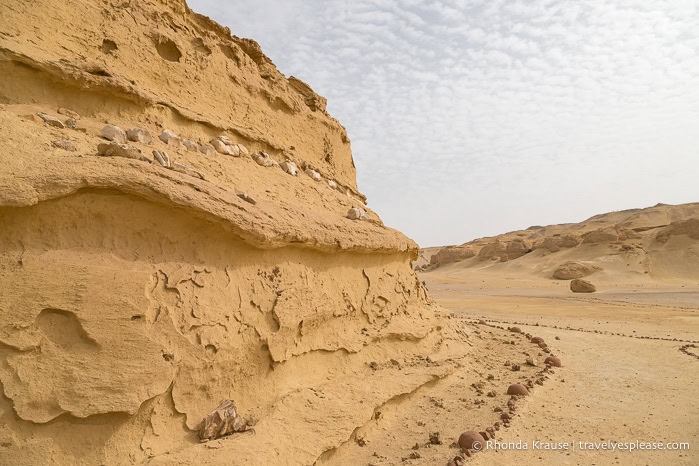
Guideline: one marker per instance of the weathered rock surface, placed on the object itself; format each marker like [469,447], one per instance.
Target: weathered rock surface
[143,296]
[573,269]
[139,135]
[450,254]
[114,134]
[582,286]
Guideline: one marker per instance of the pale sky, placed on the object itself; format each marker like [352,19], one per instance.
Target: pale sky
[471,118]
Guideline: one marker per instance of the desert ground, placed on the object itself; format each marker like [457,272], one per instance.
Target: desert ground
[624,375]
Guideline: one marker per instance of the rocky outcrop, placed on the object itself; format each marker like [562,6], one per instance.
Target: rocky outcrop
[557,242]
[571,269]
[147,274]
[689,227]
[504,250]
[609,235]
[582,286]
[449,254]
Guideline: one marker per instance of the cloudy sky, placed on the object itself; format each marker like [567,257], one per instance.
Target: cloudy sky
[471,118]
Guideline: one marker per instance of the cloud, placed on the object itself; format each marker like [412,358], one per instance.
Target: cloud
[471,118]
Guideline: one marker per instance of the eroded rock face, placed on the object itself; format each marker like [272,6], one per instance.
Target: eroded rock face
[450,254]
[139,290]
[505,250]
[572,269]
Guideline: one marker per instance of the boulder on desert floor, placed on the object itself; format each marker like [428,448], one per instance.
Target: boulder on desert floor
[582,286]
[571,269]
[450,254]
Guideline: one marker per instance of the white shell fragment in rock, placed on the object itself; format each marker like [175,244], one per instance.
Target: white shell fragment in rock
[243,150]
[289,167]
[190,145]
[207,149]
[114,149]
[313,174]
[114,134]
[263,158]
[221,148]
[226,140]
[187,170]
[356,213]
[139,135]
[170,138]
[162,158]
[332,184]
[246,197]
[51,120]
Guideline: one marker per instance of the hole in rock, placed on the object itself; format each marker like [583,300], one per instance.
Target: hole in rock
[63,328]
[108,46]
[168,50]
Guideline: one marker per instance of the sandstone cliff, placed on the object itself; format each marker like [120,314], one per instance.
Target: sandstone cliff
[136,297]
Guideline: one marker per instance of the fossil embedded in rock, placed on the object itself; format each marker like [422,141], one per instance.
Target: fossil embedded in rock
[314,175]
[113,149]
[162,158]
[289,167]
[356,213]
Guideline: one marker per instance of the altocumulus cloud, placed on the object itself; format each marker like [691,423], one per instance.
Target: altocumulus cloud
[475,117]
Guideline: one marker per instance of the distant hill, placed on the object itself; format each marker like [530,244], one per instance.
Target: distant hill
[655,243]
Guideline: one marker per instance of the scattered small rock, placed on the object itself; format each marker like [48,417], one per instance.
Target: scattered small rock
[517,389]
[51,121]
[63,144]
[515,330]
[114,134]
[471,440]
[492,394]
[332,184]
[373,365]
[69,113]
[515,367]
[435,438]
[531,362]
[222,421]
[537,340]
[71,123]
[552,361]
[139,135]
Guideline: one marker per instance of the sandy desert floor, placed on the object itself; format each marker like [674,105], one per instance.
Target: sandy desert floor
[625,376]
